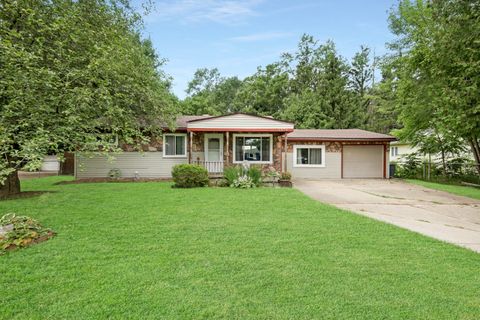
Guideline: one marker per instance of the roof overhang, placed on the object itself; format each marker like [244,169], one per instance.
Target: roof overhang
[239,130]
[341,139]
[239,122]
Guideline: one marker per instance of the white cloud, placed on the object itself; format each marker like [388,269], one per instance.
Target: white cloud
[262,36]
[226,12]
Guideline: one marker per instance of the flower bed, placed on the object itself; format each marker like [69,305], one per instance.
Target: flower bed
[21,231]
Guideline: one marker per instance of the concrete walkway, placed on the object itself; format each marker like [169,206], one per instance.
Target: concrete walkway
[437,214]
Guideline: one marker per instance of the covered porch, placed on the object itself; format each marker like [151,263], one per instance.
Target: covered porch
[218,142]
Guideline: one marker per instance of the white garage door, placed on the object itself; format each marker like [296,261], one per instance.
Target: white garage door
[363,161]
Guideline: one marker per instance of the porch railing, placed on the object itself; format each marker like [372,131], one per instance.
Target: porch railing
[213,167]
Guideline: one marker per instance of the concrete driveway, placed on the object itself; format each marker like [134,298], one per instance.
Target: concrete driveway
[437,214]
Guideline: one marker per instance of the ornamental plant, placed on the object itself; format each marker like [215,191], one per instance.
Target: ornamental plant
[243,182]
[21,231]
[189,176]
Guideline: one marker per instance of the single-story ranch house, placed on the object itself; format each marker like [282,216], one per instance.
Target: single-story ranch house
[219,141]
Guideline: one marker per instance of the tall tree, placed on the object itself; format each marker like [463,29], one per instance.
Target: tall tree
[320,96]
[438,54]
[264,92]
[72,75]
[210,93]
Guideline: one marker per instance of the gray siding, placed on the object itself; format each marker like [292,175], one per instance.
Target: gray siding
[147,164]
[332,169]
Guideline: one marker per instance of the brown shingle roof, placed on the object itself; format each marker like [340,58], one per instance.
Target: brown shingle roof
[338,135]
[182,120]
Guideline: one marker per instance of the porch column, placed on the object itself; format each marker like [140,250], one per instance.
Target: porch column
[228,147]
[285,156]
[190,142]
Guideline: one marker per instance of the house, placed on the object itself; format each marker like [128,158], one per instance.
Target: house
[218,141]
[399,149]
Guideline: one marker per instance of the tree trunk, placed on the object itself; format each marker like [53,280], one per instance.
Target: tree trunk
[10,186]
[444,164]
[476,152]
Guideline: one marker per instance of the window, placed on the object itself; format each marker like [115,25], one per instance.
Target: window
[309,156]
[252,148]
[175,145]
[394,151]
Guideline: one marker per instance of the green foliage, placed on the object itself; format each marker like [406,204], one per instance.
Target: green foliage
[243,182]
[314,87]
[22,231]
[210,93]
[189,176]
[114,173]
[436,65]
[410,167]
[255,174]
[72,71]
[286,176]
[263,245]
[231,173]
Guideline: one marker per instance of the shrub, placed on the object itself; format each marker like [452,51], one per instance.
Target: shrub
[115,173]
[189,176]
[286,176]
[255,174]
[231,174]
[243,182]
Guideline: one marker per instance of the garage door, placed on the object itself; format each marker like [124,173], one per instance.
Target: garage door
[363,161]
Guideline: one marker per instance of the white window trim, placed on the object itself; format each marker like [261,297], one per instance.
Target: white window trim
[308,146]
[235,135]
[175,135]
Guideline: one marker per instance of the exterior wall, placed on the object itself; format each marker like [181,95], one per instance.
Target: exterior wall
[148,165]
[333,162]
[198,148]
[240,121]
[333,159]
[403,150]
[332,169]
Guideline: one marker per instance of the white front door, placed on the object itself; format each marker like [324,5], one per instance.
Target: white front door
[214,152]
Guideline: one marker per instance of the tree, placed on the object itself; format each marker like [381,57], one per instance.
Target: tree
[210,93]
[382,113]
[73,74]
[437,53]
[264,92]
[320,96]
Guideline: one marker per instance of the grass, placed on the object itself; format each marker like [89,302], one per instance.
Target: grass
[147,251]
[465,191]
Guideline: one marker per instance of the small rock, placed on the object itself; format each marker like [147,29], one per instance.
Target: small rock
[6,229]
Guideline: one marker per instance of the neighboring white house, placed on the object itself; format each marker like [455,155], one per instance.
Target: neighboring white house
[400,149]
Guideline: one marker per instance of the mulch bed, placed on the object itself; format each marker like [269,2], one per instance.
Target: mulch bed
[42,238]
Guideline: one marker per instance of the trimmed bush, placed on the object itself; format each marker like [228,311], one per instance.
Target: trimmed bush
[189,176]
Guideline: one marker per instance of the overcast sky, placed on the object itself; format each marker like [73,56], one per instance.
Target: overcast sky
[238,36]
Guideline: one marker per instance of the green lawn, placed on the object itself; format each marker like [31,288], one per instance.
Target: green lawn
[147,251]
[452,188]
